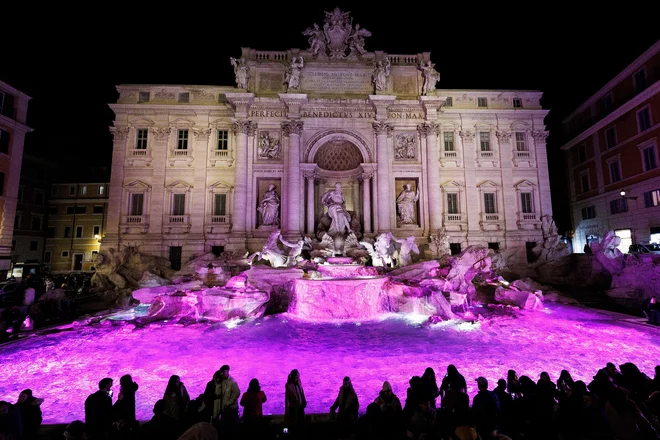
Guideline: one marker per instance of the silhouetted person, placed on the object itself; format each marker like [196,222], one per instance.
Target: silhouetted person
[124,407]
[98,411]
[10,421]
[161,425]
[31,417]
[485,408]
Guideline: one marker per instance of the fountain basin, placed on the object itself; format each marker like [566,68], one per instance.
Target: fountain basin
[346,270]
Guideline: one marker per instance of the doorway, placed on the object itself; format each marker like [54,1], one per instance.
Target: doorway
[77,262]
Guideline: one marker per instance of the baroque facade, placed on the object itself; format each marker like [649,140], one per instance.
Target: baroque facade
[192,164]
[612,157]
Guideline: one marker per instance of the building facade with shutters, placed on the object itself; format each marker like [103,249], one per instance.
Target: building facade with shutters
[13,128]
[612,157]
[191,164]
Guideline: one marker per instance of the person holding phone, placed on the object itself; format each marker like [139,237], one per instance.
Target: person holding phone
[98,411]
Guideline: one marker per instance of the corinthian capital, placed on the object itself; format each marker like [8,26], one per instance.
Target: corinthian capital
[381,127]
[292,127]
[241,126]
[202,134]
[428,128]
[540,136]
[119,133]
[467,135]
[161,133]
[503,136]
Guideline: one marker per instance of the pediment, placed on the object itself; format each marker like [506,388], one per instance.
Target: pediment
[182,123]
[524,184]
[519,126]
[141,122]
[137,184]
[452,184]
[220,185]
[179,185]
[484,126]
[488,184]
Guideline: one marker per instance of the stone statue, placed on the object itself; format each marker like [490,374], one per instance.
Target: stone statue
[431,77]
[269,147]
[269,207]
[337,28]
[270,252]
[316,40]
[341,219]
[439,244]
[384,248]
[292,76]
[381,72]
[296,249]
[242,72]
[356,40]
[406,204]
[408,245]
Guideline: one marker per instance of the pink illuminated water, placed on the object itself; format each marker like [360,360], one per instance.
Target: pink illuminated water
[65,367]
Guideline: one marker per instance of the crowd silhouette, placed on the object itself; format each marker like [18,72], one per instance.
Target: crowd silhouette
[616,404]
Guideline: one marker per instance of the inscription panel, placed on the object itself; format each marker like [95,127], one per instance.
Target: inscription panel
[341,82]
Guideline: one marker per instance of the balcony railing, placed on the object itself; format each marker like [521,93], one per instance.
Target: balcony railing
[527,216]
[138,153]
[181,153]
[490,217]
[220,153]
[486,154]
[453,218]
[522,154]
[219,219]
[135,220]
[178,219]
[450,154]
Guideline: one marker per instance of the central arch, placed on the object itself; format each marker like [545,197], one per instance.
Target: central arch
[337,137]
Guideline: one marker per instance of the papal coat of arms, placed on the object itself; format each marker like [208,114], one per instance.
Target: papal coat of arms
[338,38]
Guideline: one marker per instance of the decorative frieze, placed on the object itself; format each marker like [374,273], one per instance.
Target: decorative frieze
[164,95]
[405,146]
[202,95]
[269,145]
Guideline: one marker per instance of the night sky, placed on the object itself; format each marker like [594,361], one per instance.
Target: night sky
[70,59]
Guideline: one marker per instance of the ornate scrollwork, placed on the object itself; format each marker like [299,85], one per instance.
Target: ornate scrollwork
[467,135]
[119,133]
[292,127]
[540,136]
[161,133]
[381,127]
[241,126]
[503,136]
[202,134]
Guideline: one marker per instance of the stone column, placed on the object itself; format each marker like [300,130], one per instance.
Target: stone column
[310,203]
[111,239]
[543,173]
[293,129]
[383,173]
[431,130]
[240,127]
[366,202]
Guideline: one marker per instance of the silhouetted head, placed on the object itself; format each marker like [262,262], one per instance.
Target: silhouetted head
[105,384]
[254,386]
[452,370]
[173,384]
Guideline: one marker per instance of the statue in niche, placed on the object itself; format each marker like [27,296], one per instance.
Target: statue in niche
[292,76]
[405,147]
[431,77]
[242,72]
[381,72]
[269,147]
[316,40]
[406,204]
[408,246]
[341,219]
[356,40]
[269,207]
[270,252]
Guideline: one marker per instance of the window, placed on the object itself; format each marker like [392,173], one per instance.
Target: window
[615,171]
[484,140]
[79,231]
[83,190]
[81,209]
[452,203]
[584,182]
[217,250]
[72,190]
[182,141]
[98,209]
[219,204]
[70,210]
[223,140]
[65,254]
[184,97]
[652,198]
[489,203]
[482,102]
[526,203]
[449,102]
[50,232]
[517,103]
[35,223]
[47,257]
[34,245]
[588,212]
[639,80]
[141,140]
[644,119]
[97,231]
[494,246]
[449,140]
[582,153]
[67,231]
[52,210]
[520,141]
[455,248]
[4,141]
[606,106]
[137,200]
[38,197]
[650,162]
[101,190]
[610,137]
[144,97]
[175,257]
[619,205]
[178,204]
[2,184]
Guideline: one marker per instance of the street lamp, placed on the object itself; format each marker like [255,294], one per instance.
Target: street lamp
[623,195]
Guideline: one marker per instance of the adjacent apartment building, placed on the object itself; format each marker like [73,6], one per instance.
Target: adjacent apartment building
[612,157]
[191,163]
[76,223]
[13,128]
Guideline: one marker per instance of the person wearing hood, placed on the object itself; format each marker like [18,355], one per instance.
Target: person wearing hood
[392,411]
[31,416]
[124,408]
